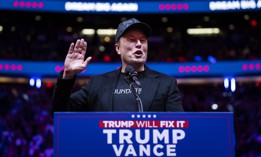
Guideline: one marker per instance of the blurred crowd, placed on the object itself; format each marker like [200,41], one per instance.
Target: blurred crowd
[245,105]
[46,37]
[26,126]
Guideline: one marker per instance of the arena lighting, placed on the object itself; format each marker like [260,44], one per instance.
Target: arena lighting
[28,4]
[203,31]
[38,83]
[259,4]
[107,58]
[58,68]
[226,83]
[233,84]
[234,5]
[198,58]
[251,66]
[184,69]
[214,106]
[107,39]
[1,28]
[253,23]
[194,68]
[230,107]
[31,82]
[230,82]
[101,48]
[11,67]
[109,32]
[49,84]
[101,32]
[101,6]
[88,31]
[212,59]
[174,6]
[35,81]
[182,6]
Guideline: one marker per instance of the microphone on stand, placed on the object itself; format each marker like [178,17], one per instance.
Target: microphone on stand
[132,74]
[133,79]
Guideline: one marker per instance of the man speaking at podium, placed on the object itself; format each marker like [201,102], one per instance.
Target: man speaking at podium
[132,88]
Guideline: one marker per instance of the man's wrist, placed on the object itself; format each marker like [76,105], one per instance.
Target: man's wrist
[68,75]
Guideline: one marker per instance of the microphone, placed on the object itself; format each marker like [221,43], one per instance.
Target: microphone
[132,74]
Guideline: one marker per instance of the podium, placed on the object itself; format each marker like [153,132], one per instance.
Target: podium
[111,134]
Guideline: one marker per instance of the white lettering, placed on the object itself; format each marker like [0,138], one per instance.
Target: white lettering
[147,124]
[156,147]
[177,135]
[146,136]
[78,6]
[168,124]
[248,4]
[234,5]
[122,91]
[171,149]
[180,124]
[224,5]
[117,151]
[164,135]
[117,124]
[144,150]
[101,7]
[259,4]
[130,151]
[124,7]
[109,135]
[125,135]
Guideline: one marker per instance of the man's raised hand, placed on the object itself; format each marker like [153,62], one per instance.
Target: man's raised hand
[74,62]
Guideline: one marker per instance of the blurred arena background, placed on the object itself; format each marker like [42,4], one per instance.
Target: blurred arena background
[213,48]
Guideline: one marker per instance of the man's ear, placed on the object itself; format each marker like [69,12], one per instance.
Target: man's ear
[117,48]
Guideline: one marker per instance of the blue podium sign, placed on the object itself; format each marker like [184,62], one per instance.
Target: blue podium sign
[111,134]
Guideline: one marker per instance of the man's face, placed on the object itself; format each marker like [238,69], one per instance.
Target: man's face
[133,47]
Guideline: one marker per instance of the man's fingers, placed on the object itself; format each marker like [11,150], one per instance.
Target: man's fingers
[87,61]
[77,46]
[80,46]
[84,47]
[70,51]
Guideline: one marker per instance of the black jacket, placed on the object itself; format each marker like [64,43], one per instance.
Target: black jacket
[159,93]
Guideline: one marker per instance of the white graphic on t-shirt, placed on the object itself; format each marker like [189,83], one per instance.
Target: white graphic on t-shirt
[126,91]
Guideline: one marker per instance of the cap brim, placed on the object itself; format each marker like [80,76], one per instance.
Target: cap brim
[140,25]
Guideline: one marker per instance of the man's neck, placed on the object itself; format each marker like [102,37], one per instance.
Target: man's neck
[137,68]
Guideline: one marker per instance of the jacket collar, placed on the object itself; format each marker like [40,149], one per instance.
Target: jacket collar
[150,85]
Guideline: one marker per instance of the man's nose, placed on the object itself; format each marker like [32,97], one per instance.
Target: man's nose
[138,42]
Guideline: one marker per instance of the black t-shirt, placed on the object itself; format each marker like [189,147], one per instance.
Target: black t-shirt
[124,99]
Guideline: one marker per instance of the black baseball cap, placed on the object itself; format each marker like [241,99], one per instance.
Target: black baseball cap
[132,23]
